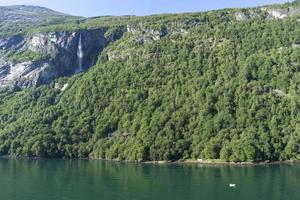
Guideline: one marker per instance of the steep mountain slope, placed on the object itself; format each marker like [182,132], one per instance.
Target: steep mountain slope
[217,85]
[30,14]
[32,60]
[16,19]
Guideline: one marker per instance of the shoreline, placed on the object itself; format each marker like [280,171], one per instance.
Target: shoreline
[210,162]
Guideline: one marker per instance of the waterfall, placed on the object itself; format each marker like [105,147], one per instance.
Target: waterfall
[80,55]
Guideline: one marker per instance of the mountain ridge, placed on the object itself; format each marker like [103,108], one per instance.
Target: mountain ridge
[18,18]
[168,87]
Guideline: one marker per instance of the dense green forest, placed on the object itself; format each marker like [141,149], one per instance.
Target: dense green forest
[210,87]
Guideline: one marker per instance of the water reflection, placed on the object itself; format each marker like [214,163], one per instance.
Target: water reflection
[88,180]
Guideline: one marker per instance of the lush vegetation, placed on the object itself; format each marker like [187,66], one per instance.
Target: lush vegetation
[211,87]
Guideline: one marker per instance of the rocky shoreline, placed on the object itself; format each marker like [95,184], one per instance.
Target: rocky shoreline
[202,162]
[164,162]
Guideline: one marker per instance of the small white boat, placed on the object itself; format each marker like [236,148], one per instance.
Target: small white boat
[232,185]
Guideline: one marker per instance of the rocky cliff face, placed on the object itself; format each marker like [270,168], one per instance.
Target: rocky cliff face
[268,13]
[61,60]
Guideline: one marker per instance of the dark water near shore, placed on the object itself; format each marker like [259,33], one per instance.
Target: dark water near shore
[89,180]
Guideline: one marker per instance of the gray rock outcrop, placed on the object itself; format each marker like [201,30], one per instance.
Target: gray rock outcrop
[61,50]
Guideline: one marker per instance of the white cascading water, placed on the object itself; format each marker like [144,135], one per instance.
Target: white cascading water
[80,54]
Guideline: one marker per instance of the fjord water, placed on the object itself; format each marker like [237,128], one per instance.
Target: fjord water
[89,180]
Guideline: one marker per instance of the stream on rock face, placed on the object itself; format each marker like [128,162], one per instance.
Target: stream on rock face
[80,55]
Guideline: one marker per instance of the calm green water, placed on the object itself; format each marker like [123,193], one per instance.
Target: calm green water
[89,180]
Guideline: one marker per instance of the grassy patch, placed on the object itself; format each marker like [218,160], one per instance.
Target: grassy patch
[23,56]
